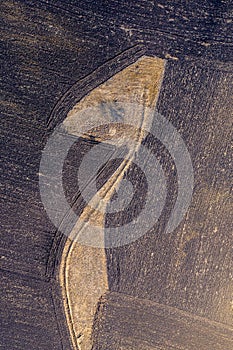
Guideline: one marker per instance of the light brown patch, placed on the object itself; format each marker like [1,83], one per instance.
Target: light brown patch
[83,272]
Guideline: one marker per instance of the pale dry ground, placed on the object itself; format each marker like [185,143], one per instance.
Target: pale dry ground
[83,273]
